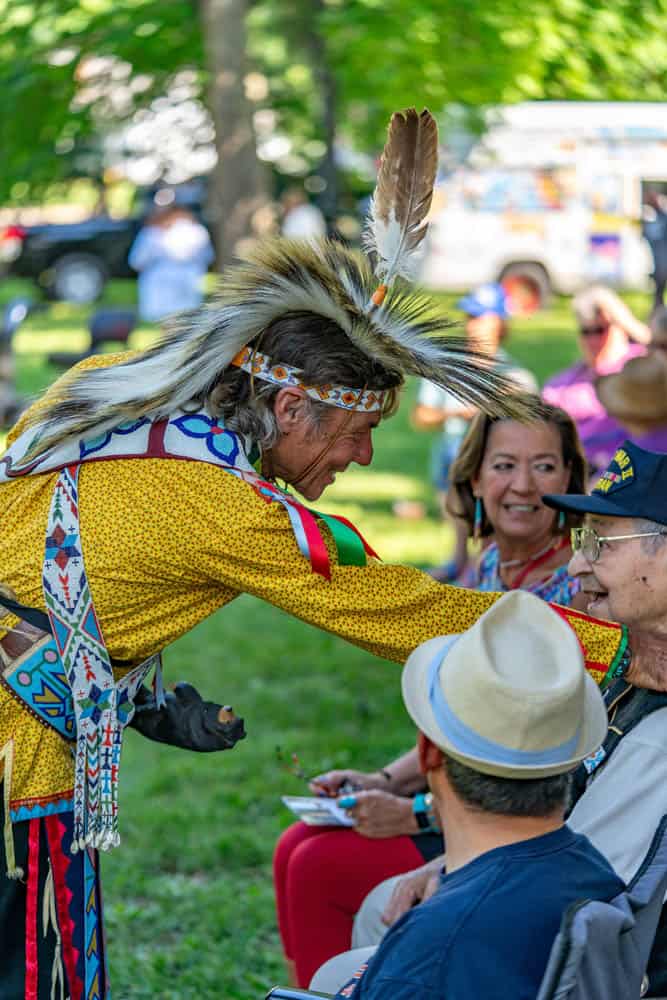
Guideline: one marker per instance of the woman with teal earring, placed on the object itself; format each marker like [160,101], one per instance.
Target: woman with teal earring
[497,482]
[477,522]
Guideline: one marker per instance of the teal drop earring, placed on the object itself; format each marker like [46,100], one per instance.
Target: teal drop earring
[478,520]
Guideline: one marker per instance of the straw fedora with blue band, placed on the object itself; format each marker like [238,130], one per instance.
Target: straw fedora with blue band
[510,697]
[633,485]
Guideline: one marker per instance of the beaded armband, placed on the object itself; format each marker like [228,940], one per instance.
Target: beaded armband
[621,662]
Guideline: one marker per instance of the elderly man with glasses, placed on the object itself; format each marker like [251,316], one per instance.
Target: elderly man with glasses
[620,792]
[620,557]
[619,554]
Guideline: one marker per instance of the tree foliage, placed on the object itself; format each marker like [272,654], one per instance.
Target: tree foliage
[374,55]
[70,70]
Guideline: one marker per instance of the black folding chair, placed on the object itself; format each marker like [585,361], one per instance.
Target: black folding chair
[602,949]
[106,326]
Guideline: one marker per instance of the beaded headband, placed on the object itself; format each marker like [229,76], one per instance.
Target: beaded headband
[261,366]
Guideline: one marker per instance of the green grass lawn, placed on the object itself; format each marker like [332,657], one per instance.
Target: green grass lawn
[189,900]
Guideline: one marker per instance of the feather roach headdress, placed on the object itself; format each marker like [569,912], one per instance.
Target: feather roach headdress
[396,327]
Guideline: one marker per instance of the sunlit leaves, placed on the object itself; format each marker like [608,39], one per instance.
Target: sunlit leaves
[381,54]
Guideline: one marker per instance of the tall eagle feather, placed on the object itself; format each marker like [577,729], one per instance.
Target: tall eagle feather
[396,223]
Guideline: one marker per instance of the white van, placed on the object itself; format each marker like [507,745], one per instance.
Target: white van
[550,199]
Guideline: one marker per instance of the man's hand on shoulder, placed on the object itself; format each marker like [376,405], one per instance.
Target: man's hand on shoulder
[414,888]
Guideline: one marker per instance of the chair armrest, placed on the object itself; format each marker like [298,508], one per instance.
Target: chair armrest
[292,993]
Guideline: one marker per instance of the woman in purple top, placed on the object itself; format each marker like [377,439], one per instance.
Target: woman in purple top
[607,328]
[637,398]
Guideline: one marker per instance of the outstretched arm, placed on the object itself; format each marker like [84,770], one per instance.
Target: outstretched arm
[246,544]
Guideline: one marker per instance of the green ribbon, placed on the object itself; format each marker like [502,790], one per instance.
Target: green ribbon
[349,546]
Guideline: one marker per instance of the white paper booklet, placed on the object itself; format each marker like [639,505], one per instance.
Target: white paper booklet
[318,811]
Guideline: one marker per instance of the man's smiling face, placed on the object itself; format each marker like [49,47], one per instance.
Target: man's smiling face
[628,582]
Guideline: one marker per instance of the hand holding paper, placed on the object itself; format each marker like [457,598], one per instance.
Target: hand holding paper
[318,811]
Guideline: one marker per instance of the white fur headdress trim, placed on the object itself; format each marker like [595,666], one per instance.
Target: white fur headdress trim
[406,335]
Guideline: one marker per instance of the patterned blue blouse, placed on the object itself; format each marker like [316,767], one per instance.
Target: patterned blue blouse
[559,588]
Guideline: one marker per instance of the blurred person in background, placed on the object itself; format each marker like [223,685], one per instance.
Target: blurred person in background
[301,219]
[637,398]
[486,326]
[654,231]
[171,254]
[502,471]
[609,335]
[11,403]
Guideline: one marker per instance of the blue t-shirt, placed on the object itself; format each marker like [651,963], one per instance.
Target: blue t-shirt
[488,930]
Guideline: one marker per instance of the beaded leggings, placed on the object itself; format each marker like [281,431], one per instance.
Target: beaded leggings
[51,938]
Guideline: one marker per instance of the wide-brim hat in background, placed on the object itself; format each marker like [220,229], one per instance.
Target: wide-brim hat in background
[511,696]
[638,393]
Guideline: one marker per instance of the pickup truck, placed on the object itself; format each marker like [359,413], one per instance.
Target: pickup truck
[71,261]
[74,261]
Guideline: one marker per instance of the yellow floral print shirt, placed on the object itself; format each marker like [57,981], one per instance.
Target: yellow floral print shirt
[166,542]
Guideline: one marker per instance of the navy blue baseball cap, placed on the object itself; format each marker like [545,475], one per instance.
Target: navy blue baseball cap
[489,298]
[633,485]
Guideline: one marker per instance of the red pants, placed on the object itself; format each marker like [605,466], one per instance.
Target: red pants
[322,875]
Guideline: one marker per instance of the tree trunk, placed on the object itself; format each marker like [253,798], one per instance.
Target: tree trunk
[327,88]
[239,190]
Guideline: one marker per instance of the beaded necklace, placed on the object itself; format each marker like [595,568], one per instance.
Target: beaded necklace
[507,563]
[534,561]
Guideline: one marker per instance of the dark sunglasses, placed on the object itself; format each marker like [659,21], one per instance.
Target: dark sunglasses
[593,331]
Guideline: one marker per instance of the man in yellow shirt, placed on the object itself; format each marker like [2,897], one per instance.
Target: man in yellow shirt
[139,495]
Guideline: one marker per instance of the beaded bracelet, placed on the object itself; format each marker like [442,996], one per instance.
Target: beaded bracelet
[422,807]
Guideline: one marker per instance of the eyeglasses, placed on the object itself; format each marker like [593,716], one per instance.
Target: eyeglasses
[593,331]
[589,543]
